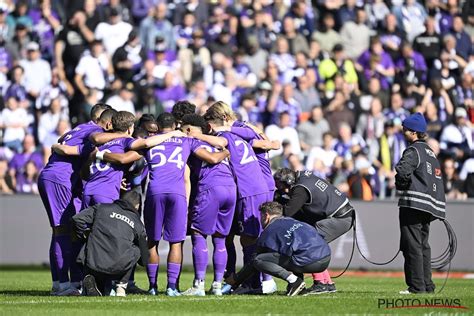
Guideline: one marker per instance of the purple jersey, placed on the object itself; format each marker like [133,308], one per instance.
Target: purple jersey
[249,135]
[204,175]
[166,165]
[105,177]
[65,169]
[245,166]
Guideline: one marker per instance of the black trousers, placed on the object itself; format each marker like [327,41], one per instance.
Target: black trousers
[104,280]
[279,266]
[334,227]
[414,234]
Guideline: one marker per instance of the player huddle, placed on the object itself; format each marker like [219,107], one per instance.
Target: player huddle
[199,175]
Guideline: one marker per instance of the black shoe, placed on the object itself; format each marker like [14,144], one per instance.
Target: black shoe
[246,290]
[90,287]
[331,288]
[295,288]
[132,288]
[318,288]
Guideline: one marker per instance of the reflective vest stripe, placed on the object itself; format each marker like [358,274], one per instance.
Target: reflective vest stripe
[409,198]
[424,195]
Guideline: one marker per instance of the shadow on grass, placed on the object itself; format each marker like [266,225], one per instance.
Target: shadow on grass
[25,293]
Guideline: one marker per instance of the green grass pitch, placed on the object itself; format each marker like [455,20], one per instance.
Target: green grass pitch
[26,292]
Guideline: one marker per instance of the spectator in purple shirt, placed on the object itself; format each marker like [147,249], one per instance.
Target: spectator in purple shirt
[411,67]
[171,92]
[45,23]
[376,62]
[27,180]
[19,161]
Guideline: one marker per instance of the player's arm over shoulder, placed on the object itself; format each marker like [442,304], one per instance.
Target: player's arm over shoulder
[212,158]
[154,140]
[119,158]
[66,150]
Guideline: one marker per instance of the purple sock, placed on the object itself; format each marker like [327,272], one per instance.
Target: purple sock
[76,270]
[152,273]
[266,277]
[173,273]
[200,256]
[231,257]
[219,258]
[62,256]
[52,262]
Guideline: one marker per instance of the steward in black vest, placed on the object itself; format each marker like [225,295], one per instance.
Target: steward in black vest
[315,201]
[420,185]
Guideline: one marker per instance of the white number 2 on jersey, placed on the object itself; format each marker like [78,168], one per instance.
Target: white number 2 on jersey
[248,156]
[176,157]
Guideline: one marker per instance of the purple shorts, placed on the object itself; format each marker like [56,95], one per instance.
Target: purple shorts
[213,210]
[91,200]
[167,213]
[248,214]
[58,202]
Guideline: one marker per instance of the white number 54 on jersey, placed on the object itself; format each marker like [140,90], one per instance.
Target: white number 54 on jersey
[176,157]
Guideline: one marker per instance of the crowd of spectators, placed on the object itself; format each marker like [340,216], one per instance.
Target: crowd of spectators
[331,79]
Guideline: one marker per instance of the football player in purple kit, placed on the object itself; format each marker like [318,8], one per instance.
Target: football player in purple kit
[103,183]
[261,145]
[211,209]
[251,186]
[56,183]
[165,210]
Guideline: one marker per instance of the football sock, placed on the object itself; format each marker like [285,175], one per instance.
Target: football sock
[52,263]
[76,270]
[173,273]
[292,278]
[62,256]
[322,277]
[231,258]
[200,256]
[266,277]
[219,258]
[152,273]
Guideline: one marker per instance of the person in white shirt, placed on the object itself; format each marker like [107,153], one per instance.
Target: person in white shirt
[93,70]
[456,138]
[37,71]
[326,154]
[113,33]
[14,120]
[283,131]
[49,121]
[123,100]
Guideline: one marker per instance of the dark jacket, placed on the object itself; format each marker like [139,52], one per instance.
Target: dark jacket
[419,180]
[313,199]
[117,238]
[294,239]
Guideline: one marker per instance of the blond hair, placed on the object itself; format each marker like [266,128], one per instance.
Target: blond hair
[221,110]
